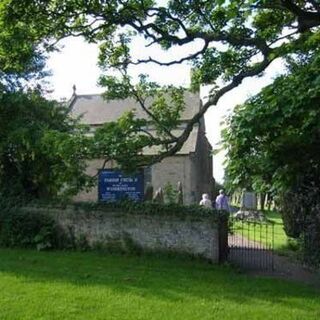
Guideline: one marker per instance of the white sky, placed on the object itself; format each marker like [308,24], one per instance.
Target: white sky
[76,64]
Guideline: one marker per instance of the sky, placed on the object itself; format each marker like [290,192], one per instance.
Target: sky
[76,64]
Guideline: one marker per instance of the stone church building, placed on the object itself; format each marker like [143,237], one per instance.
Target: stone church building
[192,165]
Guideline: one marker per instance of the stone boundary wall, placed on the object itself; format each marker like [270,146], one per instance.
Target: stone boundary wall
[197,236]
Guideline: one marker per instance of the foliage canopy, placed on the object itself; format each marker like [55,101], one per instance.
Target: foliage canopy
[272,140]
[231,40]
[41,149]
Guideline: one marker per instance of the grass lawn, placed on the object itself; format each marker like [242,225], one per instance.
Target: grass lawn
[282,244]
[73,285]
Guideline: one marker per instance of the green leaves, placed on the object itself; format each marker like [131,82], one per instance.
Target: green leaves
[42,152]
[167,107]
[121,141]
[273,139]
[20,55]
[238,39]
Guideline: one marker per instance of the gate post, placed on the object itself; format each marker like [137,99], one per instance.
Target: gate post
[223,236]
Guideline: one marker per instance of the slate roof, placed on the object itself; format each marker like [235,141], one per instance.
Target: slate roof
[94,110]
[188,147]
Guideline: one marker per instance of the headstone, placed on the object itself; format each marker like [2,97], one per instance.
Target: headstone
[158,197]
[249,201]
[148,195]
[180,193]
[248,210]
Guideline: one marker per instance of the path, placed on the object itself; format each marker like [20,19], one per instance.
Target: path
[256,260]
[249,254]
[286,268]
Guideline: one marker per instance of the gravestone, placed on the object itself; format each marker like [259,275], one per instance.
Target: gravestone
[148,195]
[180,193]
[249,201]
[248,209]
[159,197]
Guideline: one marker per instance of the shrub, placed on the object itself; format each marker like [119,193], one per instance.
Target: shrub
[301,217]
[311,237]
[27,229]
[293,213]
[170,194]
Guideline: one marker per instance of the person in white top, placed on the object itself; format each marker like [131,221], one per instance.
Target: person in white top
[206,202]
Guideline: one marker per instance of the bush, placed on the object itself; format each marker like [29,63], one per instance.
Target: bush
[311,237]
[293,213]
[170,194]
[301,217]
[27,229]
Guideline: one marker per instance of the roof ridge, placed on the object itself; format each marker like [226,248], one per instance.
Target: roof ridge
[89,94]
[100,94]
[99,110]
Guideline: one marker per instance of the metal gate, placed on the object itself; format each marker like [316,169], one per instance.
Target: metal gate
[251,244]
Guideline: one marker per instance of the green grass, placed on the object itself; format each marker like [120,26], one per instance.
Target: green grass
[282,244]
[71,285]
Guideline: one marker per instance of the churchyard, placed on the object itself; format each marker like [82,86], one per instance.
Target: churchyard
[99,192]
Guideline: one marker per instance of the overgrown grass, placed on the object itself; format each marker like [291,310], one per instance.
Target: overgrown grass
[71,285]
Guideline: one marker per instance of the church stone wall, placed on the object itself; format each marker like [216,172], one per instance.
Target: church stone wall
[92,170]
[194,171]
[172,170]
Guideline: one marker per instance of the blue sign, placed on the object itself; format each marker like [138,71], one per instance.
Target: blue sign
[114,186]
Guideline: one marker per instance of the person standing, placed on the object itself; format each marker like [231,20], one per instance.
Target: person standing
[205,201]
[222,202]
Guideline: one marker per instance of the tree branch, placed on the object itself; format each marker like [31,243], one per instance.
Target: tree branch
[170,63]
[315,4]
[306,19]
[151,115]
[213,100]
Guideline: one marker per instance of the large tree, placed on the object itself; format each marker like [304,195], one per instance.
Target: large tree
[42,152]
[21,55]
[232,40]
[272,140]
[41,147]
[273,145]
